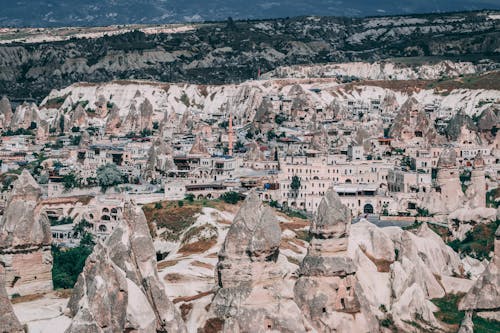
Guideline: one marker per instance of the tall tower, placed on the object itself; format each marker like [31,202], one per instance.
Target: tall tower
[230,135]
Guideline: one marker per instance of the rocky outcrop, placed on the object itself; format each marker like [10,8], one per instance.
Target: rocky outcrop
[198,148]
[327,290]
[476,191]
[412,125]
[461,128]
[25,115]
[160,159]
[489,119]
[113,121]
[400,271]
[8,319]
[484,296]
[5,112]
[447,196]
[79,116]
[119,289]
[254,294]
[25,240]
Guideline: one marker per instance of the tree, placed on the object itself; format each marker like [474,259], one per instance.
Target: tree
[70,181]
[295,185]
[189,197]
[61,124]
[271,135]
[230,197]
[109,175]
[68,264]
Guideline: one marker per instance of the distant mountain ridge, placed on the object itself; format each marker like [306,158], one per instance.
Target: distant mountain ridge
[235,51]
[31,13]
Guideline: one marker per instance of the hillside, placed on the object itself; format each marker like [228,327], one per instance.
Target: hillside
[235,51]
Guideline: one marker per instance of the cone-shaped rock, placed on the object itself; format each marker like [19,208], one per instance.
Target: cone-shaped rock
[254,295]
[25,240]
[327,289]
[119,289]
[8,319]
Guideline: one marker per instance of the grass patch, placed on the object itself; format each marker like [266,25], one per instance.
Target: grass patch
[173,217]
[479,242]
[448,309]
[449,314]
[482,325]
[304,235]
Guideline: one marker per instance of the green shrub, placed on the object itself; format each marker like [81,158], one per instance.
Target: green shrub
[230,197]
[67,265]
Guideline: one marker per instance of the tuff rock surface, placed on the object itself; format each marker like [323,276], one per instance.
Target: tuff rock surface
[25,240]
[412,125]
[8,319]
[119,289]
[254,294]
[327,290]
[485,294]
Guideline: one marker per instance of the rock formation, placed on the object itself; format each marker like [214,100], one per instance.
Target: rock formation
[119,289]
[8,319]
[461,128]
[476,192]
[447,196]
[489,119]
[254,295]
[25,240]
[25,114]
[159,159]
[113,121]
[5,112]
[412,125]
[198,147]
[484,296]
[327,290]
[79,116]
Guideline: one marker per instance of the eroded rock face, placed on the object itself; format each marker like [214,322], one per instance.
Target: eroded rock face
[25,240]
[254,295]
[327,290]
[476,192]
[119,289]
[198,147]
[25,114]
[113,121]
[8,319]
[159,159]
[5,112]
[447,196]
[489,118]
[460,124]
[412,124]
[485,294]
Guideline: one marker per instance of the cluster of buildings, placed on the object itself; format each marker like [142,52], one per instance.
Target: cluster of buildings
[381,158]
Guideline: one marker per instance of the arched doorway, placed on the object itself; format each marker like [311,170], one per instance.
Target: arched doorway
[368,209]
